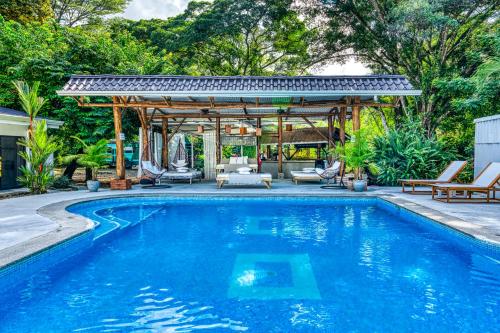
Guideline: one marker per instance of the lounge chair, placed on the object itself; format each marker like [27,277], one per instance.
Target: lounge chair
[318,174]
[453,169]
[235,178]
[486,182]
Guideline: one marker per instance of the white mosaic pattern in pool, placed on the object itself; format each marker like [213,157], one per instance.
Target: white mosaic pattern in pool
[250,281]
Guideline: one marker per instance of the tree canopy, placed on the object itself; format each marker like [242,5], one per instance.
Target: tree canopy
[433,43]
[447,48]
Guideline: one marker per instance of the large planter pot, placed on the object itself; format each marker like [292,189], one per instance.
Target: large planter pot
[359,185]
[93,185]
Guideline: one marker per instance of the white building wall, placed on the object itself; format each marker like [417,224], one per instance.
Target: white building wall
[12,129]
[487,142]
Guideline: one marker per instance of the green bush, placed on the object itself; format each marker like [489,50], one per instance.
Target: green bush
[356,153]
[61,182]
[408,153]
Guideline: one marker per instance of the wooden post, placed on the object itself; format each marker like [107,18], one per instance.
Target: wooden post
[268,152]
[217,141]
[342,116]
[120,183]
[355,114]
[164,143]
[330,133]
[280,146]
[257,139]
[145,135]
[120,161]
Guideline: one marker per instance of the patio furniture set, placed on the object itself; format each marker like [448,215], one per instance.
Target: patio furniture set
[487,183]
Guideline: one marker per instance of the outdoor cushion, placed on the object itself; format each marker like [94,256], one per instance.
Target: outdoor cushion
[233,160]
[450,171]
[488,176]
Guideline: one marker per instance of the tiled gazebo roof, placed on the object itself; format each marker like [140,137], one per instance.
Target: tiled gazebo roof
[241,86]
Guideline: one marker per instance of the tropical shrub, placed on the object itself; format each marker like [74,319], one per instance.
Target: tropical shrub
[30,101]
[408,153]
[356,153]
[37,173]
[94,156]
[61,182]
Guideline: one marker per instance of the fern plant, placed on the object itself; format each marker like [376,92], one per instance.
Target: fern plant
[408,153]
[94,156]
[37,173]
[357,153]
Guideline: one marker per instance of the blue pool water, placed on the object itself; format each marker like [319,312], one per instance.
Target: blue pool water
[261,265]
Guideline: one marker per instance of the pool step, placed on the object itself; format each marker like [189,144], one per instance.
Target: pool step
[108,223]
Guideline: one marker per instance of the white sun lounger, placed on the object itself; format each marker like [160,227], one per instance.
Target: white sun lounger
[244,180]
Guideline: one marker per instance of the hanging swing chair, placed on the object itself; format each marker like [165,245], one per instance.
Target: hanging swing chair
[335,168]
[151,170]
[181,158]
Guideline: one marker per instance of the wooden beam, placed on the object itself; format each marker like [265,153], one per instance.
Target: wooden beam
[217,141]
[164,141]
[176,129]
[240,116]
[280,145]
[168,100]
[79,101]
[315,129]
[183,105]
[120,158]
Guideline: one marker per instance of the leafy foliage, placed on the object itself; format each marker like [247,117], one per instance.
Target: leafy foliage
[356,153]
[30,101]
[25,11]
[408,153]
[73,12]
[37,174]
[94,156]
[61,182]
[429,41]
[227,37]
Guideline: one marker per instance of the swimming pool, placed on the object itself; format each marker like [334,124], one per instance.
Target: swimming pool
[261,265]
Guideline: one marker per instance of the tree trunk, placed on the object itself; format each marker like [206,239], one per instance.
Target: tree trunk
[70,169]
[88,174]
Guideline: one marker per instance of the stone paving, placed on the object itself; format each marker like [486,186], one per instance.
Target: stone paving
[21,222]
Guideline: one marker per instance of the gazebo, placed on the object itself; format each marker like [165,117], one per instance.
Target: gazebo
[191,103]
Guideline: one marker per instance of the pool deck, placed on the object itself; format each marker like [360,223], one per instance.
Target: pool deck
[26,221]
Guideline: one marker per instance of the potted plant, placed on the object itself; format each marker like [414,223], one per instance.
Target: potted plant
[94,157]
[357,154]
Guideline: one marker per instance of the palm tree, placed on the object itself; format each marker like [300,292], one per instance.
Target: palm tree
[94,156]
[30,101]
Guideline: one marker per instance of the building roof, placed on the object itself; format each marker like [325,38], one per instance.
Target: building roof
[12,112]
[20,117]
[237,86]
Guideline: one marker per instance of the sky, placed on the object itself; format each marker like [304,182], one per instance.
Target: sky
[147,9]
